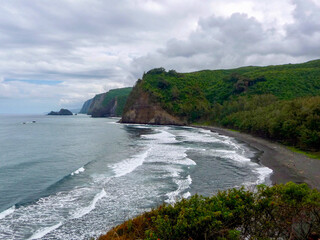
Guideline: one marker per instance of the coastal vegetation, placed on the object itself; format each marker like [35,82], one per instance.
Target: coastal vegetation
[281,103]
[292,122]
[289,211]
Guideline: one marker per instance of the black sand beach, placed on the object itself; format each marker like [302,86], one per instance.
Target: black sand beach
[286,164]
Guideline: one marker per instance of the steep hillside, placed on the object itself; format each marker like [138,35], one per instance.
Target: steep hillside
[225,97]
[109,104]
[85,106]
[141,108]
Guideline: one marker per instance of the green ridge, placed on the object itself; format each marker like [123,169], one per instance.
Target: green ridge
[276,102]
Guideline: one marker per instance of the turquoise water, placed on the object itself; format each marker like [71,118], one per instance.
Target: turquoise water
[74,177]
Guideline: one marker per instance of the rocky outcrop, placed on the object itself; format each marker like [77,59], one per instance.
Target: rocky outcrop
[86,106]
[140,108]
[62,111]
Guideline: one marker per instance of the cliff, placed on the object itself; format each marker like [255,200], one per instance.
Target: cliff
[141,108]
[280,102]
[85,106]
[109,104]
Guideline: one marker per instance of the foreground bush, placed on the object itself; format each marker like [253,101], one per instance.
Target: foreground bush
[288,211]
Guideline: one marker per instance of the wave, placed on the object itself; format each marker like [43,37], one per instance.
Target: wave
[143,126]
[163,149]
[186,195]
[239,153]
[183,185]
[169,154]
[7,212]
[112,122]
[79,170]
[263,174]
[129,165]
[202,137]
[81,212]
[44,231]
[161,137]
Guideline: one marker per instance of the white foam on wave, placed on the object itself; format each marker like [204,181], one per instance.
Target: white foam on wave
[47,211]
[81,212]
[116,122]
[238,154]
[161,137]
[263,174]
[169,154]
[7,212]
[129,165]
[186,195]
[229,154]
[44,231]
[141,126]
[183,185]
[203,137]
[238,158]
[163,149]
[79,170]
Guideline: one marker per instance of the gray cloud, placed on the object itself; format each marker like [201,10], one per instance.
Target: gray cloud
[93,46]
[240,39]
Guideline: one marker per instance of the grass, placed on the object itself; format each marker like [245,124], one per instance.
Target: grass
[233,130]
[314,155]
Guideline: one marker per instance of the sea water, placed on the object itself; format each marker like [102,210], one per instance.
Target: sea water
[74,177]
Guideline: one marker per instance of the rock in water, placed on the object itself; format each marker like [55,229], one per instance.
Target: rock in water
[62,111]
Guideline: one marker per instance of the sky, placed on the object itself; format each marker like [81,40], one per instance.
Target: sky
[59,53]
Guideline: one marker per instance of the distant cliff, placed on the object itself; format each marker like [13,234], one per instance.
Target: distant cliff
[109,104]
[85,106]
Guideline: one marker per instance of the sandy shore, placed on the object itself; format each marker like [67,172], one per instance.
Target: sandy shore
[286,165]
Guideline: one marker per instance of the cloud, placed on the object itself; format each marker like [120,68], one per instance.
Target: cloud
[93,46]
[239,39]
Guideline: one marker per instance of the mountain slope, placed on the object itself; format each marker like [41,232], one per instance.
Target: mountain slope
[236,97]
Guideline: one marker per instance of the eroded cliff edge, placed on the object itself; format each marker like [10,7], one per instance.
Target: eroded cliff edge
[143,109]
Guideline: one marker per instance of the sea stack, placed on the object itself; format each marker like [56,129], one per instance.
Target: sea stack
[62,111]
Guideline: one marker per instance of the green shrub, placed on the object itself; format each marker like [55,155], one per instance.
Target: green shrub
[287,211]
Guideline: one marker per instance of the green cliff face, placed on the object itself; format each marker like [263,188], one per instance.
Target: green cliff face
[109,104]
[278,102]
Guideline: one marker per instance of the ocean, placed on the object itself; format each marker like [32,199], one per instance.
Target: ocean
[75,177]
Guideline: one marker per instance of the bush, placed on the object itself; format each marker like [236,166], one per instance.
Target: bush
[287,211]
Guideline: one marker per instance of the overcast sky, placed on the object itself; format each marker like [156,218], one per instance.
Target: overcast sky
[60,53]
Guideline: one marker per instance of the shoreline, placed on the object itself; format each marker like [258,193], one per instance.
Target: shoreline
[285,164]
